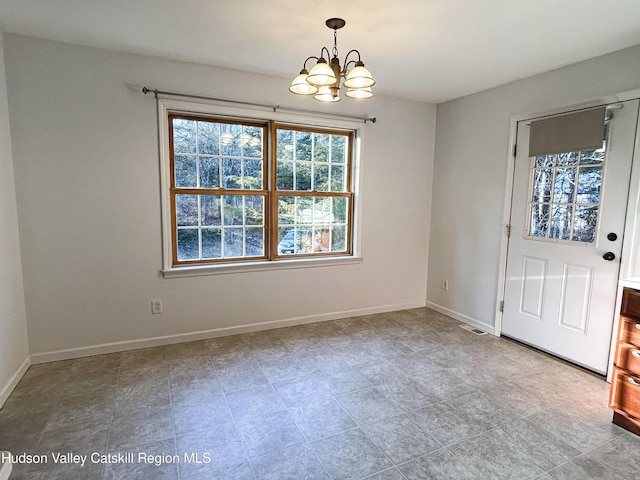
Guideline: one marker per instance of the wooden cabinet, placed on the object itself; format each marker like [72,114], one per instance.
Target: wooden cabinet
[624,397]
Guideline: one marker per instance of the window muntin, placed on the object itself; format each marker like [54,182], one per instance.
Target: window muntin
[313,191]
[222,209]
[565,196]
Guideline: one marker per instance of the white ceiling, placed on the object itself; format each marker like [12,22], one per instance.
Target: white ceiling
[431,50]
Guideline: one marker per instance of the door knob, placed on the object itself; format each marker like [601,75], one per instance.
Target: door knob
[612,236]
[609,256]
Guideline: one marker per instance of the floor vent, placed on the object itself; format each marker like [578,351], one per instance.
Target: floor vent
[477,331]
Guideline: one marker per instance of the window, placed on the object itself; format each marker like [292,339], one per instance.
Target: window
[257,190]
[312,191]
[565,196]
[218,194]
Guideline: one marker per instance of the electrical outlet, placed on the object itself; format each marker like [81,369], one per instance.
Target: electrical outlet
[156,307]
[445,285]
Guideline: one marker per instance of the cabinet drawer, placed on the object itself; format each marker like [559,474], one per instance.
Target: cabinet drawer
[629,331]
[628,358]
[630,302]
[625,394]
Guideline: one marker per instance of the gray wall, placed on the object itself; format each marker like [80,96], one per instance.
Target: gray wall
[470,173]
[88,189]
[13,324]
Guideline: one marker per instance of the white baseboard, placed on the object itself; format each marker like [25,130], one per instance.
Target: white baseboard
[485,327]
[5,466]
[216,332]
[13,381]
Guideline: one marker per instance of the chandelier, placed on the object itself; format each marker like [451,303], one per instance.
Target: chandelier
[323,81]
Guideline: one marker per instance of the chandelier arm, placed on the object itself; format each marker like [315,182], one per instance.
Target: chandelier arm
[325,49]
[346,65]
[346,57]
[304,65]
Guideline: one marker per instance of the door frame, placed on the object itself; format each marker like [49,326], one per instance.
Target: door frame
[630,258]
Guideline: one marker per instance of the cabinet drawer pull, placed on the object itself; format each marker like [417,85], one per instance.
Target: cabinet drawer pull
[638,326]
[636,353]
[633,381]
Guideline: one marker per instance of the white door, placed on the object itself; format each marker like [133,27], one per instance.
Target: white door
[567,220]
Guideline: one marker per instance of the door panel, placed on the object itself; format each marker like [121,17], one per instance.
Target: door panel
[560,291]
[534,276]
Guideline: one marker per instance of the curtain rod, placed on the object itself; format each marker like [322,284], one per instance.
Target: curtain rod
[275,108]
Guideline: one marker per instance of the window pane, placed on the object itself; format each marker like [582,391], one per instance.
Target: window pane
[311,153]
[211,243]
[320,147]
[254,210]
[252,178]
[542,185]
[209,172]
[308,224]
[294,240]
[184,136]
[286,210]
[209,138]
[564,186]
[321,178]
[184,167]
[230,139]
[322,210]
[229,155]
[285,176]
[589,182]
[186,210]
[339,238]
[304,210]
[302,146]
[340,210]
[539,220]
[233,242]
[251,141]
[303,176]
[321,239]
[566,159]
[592,157]
[284,149]
[338,149]
[544,161]
[210,210]
[188,244]
[585,223]
[231,172]
[227,226]
[561,222]
[255,242]
[337,179]
[232,210]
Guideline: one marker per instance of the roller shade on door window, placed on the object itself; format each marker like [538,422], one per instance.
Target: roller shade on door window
[571,132]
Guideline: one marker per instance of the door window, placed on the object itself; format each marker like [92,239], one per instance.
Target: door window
[565,194]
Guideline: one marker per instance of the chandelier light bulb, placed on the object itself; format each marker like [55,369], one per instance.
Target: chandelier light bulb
[328,94]
[300,86]
[359,92]
[359,77]
[321,74]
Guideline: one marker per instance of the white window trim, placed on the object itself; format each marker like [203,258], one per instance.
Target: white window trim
[166,106]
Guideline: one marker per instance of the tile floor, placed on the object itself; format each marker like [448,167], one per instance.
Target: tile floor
[404,395]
